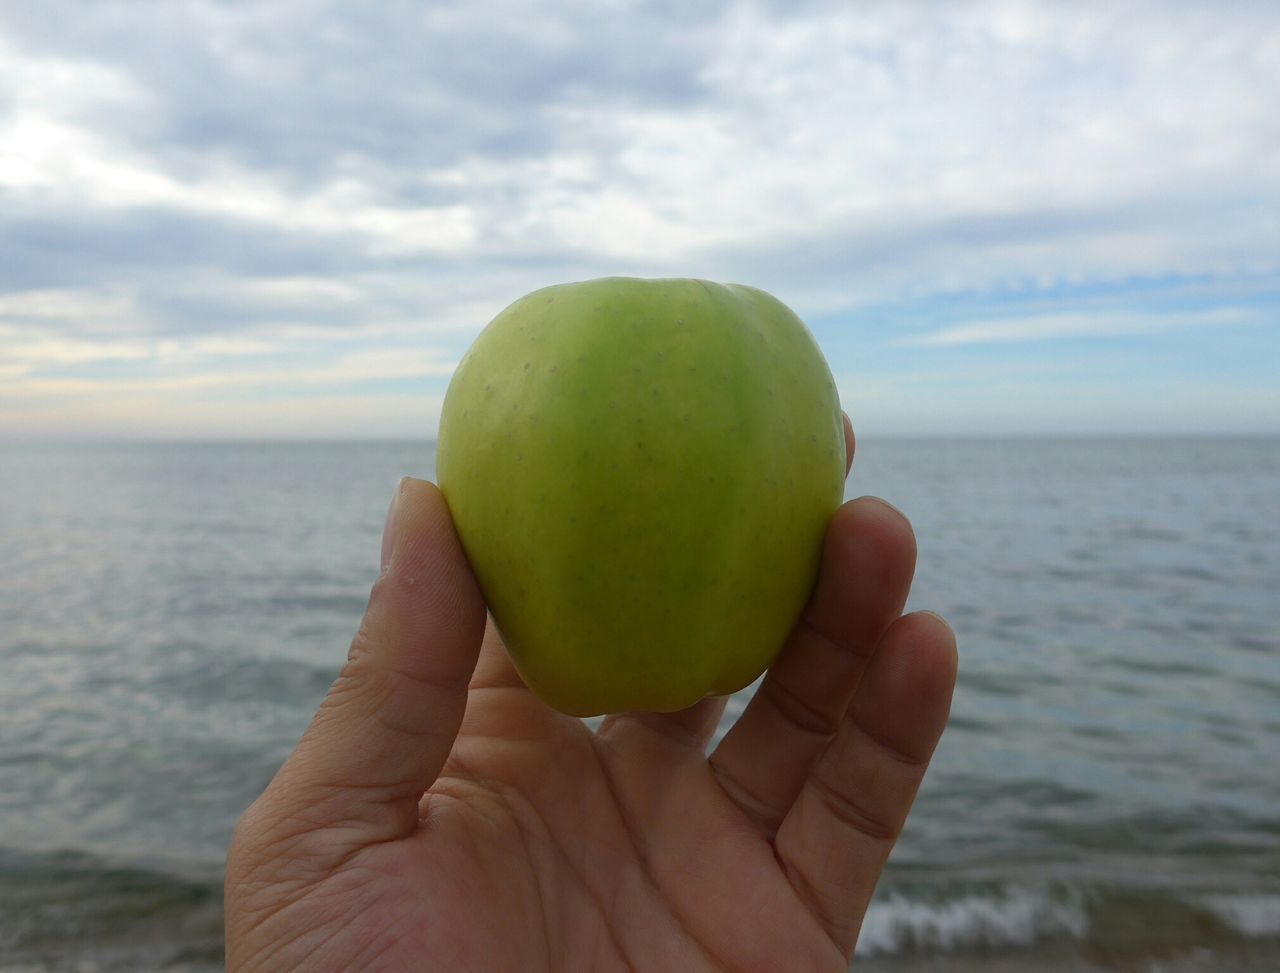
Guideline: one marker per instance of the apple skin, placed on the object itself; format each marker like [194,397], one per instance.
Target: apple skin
[641,473]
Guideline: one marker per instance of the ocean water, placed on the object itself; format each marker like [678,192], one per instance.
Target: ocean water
[1107,796]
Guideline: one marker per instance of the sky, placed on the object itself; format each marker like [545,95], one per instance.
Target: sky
[226,220]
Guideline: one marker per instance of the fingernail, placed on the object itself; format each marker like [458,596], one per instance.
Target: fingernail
[389,528]
[884,502]
[945,624]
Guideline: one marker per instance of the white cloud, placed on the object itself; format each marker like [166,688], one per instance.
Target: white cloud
[941,149]
[333,370]
[25,350]
[61,164]
[1040,327]
[50,155]
[852,121]
[110,304]
[314,198]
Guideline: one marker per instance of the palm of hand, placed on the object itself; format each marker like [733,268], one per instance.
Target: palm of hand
[622,850]
[542,845]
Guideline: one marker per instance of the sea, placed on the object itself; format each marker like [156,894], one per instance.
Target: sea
[1106,797]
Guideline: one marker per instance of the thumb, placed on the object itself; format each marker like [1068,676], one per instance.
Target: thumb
[386,727]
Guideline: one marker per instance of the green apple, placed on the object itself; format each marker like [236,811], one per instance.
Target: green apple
[641,473]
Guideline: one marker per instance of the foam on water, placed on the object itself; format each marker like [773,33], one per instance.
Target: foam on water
[1099,920]
[1250,915]
[1013,917]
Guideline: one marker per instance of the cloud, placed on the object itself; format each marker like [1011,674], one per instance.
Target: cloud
[55,304]
[70,167]
[1042,327]
[306,89]
[757,125]
[320,179]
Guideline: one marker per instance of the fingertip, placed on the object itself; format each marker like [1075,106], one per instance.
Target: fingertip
[911,682]
[427,582]
[416,499]
[879,532]
[888,508]
[948,633]
[937,650]
[423,530]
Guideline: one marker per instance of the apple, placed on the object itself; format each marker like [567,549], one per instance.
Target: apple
[641,473]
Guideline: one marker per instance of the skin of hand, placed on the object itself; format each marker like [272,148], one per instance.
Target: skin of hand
[436,815]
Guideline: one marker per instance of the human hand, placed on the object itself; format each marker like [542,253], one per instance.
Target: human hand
[436,815]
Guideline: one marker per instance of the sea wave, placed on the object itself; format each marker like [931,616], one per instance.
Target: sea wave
[1011,916]
[1109,919]
[71,910]
[1249,915]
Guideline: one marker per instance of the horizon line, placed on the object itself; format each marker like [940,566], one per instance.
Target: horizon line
[116,440]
